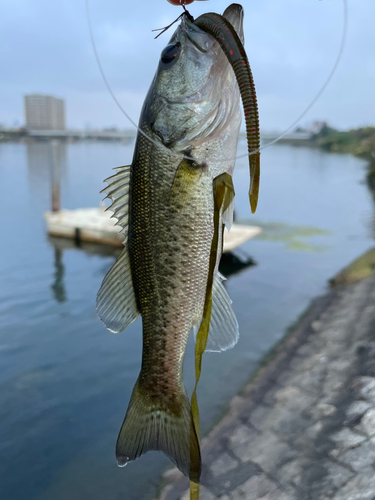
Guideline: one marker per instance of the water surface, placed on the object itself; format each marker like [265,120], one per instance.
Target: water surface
[65,381]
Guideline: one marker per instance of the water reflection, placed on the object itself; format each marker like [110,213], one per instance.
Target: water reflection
[87,247]
[60,246]
[231,262]
[57,287]
[294,237]
[235,262]
[47,168]
[65,381]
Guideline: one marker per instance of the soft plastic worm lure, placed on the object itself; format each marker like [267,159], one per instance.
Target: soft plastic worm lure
[224,33]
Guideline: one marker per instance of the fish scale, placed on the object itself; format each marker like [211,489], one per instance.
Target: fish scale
[170,292]
[171,204]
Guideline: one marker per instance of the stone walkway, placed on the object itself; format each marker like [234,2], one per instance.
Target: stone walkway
[304,429]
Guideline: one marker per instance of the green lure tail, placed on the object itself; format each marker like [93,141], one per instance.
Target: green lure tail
[223,193]
[224,33]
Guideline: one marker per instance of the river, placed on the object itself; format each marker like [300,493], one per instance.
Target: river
[65,380]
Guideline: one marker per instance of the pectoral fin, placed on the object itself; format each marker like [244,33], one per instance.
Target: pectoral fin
[185,181]
[227,216]
[223,333]
[115,303]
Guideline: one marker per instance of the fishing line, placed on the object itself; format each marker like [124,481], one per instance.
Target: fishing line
[314,100]
[320,92]
[106,81]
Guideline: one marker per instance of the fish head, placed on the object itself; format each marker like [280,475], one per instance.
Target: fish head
[194,96]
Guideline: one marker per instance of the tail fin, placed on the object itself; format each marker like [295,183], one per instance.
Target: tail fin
[148,426]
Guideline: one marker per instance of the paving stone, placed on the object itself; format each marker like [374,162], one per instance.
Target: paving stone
[337,476]
[356,410]
[277,495]
[306,349]
[290,470]
[366,387]
[323,478]
[275,419]
[258,416]
[316,325]
[256,487]
[312,380]
[340,365]
[269,397]
[333,382]
[360,457]
[241,439]
[224,484]
[223,464]
[205,494]
[313,431]
[361,487]
[322,410]
[284,377]
[290,491]
[286,393]
[335,349]
[335,332]
[290,424]
[367,347]
[345,440]
[368,422]
[309,362]
[266,450]
[294,399]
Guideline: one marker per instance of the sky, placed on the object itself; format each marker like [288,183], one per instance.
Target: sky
[291,45]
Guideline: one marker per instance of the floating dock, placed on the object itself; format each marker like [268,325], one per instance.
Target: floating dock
[96,225]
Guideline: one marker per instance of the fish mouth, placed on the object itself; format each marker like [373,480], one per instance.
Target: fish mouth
[234,14]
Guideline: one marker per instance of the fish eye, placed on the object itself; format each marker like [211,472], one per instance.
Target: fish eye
[170,52]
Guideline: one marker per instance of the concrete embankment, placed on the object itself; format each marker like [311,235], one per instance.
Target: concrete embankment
[304,427]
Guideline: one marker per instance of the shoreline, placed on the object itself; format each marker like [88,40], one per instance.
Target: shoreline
[226,450]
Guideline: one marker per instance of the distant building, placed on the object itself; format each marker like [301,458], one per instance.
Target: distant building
[44,112]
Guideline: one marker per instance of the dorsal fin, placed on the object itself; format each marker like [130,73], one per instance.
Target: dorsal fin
[118,192]
[116,303]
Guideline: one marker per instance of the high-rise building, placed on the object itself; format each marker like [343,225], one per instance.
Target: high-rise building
[44,112]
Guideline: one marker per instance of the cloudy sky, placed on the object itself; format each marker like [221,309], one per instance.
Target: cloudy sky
[291,44]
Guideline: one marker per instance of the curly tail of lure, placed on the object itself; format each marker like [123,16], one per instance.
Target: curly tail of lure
[224,33]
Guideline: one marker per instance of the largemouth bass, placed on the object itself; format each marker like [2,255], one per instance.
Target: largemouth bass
[165,204]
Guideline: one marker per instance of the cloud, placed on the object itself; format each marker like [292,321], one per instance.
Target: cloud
[291,45]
